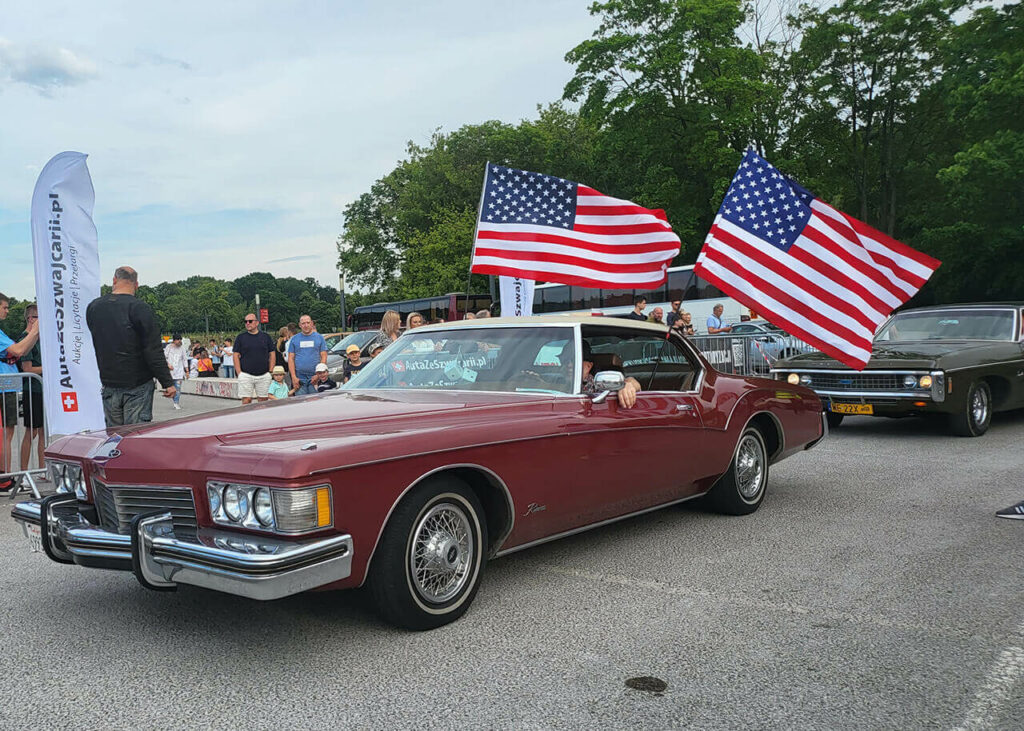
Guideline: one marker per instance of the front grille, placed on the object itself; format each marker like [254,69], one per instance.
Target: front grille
[117,505]
[857,381]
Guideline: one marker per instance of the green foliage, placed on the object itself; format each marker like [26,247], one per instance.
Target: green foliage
[411,235]
[904,113]
[975,220]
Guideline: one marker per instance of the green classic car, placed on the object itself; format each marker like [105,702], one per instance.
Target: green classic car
[962,361]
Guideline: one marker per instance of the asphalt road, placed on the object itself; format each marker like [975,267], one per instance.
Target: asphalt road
[873,589]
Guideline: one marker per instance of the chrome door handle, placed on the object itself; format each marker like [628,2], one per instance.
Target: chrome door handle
[684,407]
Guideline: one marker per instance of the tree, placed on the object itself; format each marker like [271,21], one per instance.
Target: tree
[678,95]
[900,112]
[869,64]
[972,215]
[413,208]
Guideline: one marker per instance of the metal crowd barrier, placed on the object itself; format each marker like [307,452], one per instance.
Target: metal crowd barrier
[29,410]
[749,354]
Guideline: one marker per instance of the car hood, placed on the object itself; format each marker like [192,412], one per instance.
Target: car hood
[327,413]
[922,354]
[267,439]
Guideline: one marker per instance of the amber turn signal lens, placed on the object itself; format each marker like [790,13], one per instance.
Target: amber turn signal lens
[323,507]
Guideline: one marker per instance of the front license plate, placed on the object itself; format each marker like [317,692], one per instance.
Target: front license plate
[852,408]
[34,535]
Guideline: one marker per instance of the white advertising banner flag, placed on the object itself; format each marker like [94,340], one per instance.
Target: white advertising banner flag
[516,296]
[67,267]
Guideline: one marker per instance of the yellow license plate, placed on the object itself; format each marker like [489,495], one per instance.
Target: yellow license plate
[852,408]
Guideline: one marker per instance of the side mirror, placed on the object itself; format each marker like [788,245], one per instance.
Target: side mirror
[608,382]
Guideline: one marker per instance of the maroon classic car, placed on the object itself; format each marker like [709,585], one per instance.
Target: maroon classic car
[460,443]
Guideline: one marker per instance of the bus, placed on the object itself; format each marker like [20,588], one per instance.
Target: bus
[698,298]
[445,307]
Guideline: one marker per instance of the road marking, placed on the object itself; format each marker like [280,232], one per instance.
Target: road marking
[991,698]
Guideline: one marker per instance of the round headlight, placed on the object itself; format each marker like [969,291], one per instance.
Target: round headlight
[805,380]
[213,495]
[793,379]
[910,381]
[925,382]
[236,503]
[262,507]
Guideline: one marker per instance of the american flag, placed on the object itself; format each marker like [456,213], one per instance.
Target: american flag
[545,228]
[822,275]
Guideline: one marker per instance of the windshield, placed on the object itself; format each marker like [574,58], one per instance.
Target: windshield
[949,325]
[359,338]
[512,359]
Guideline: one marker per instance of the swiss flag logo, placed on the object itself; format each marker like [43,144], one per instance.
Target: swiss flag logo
[399,366]
[69,400]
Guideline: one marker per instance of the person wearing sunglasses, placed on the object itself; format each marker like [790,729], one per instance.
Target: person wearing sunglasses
[254,355]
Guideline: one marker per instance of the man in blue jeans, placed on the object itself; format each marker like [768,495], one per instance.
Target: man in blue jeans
[126,337]
[306,350]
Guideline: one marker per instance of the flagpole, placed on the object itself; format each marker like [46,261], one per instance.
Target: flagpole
[476,228]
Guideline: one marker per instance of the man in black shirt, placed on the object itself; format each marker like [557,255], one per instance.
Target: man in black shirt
[639,305]
[254,355]
[126,337]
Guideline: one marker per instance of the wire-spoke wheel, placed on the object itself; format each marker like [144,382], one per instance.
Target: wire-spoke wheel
[441,554]
[741,489]
[431,555]
[974,417]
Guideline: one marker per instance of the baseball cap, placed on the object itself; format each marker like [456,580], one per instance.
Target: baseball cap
[278,369]
[352,349]
[321,367]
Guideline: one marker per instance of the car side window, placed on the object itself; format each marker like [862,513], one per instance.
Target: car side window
[657,363]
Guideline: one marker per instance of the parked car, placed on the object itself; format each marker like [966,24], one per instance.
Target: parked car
[765,344]
[962,361]
[333,339]
[336,355]
[459,443]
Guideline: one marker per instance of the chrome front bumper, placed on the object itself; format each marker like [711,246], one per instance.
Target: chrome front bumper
[256,567]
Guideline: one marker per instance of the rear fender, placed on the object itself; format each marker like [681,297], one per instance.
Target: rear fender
[784,416]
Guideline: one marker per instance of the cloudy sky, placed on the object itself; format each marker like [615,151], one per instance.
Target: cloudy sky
[225,137]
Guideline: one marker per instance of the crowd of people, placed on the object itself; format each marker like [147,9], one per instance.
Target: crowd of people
[678,319]
[131,358]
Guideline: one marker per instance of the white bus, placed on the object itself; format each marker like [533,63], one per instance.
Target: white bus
[698,298]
